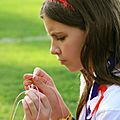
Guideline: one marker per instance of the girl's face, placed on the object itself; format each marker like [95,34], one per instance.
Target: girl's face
[66,43]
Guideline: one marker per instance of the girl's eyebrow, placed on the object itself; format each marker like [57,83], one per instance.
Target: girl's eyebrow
[55,33]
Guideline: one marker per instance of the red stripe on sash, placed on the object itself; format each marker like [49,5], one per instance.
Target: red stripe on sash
[101,88]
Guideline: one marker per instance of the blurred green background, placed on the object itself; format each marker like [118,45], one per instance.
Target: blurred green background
[23,46]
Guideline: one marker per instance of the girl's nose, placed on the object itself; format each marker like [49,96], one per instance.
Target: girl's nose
[55,50]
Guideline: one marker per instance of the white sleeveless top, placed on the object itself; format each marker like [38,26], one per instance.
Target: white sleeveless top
[109,108]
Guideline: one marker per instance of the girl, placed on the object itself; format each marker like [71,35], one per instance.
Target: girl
[85,37]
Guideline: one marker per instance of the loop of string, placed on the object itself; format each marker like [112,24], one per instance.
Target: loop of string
[16,104]
[58,101]
[15,107]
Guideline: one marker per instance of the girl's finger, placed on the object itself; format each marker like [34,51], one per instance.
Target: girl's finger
[44,100]
[31,106]
[41,73]
[28,76]
[45,108]
[27,112]
[34,97]
[26,87]
[26,84]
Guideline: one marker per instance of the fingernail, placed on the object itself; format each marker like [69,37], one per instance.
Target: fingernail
[36,78]
[30,77]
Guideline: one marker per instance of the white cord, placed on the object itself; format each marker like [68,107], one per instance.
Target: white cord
[16,109]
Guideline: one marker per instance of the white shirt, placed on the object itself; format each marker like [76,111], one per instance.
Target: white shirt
[109,108]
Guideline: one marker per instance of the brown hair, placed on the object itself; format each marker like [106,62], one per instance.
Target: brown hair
[101,20]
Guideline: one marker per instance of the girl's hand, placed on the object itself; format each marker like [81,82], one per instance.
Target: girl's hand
[36,106]
[46,85]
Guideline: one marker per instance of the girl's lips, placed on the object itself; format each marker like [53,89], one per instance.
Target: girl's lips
[62,61]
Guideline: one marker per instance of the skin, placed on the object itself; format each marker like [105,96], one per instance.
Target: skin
[31,108]
[66,44]
[46,87]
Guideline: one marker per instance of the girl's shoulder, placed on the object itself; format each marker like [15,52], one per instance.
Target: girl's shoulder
[109,108]
[111,100]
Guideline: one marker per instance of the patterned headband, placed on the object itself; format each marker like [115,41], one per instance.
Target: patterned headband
[64,2]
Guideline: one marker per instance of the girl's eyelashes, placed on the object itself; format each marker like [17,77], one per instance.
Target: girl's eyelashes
[61,38]
[58,37]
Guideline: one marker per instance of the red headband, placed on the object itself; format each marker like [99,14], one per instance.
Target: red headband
[64,2]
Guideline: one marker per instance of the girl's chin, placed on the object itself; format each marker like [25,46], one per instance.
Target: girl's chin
[73,69]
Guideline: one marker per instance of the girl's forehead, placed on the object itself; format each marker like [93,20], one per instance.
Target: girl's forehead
[54,25]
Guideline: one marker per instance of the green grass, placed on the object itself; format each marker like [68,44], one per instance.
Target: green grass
[20,18]
[18,58]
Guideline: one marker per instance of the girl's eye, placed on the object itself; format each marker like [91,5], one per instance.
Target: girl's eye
[61,38]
